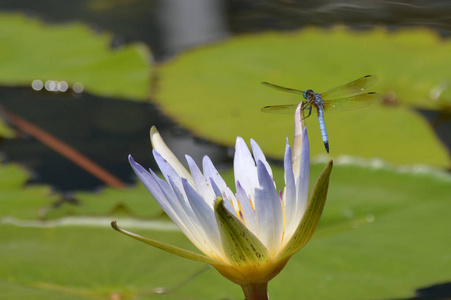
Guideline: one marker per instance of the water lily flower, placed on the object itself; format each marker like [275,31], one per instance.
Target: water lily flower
[248,235]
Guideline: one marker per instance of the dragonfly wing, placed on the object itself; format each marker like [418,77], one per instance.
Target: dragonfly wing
[280,109]
[284,89]
[351,88]
[351,103]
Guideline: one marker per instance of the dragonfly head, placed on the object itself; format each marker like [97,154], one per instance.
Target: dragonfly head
[309,95]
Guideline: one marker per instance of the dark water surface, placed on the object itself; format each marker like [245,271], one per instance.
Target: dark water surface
[103,129]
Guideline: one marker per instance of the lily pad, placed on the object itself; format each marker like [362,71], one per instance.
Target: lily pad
[32,50]
[20,201]
[133,202]
[88,263]
[219,85]
[383,235]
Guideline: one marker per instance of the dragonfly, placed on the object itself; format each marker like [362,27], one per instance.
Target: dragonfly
[346,97]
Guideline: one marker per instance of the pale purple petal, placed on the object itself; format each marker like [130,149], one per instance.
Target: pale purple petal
[157,187]
[167,170]
[268,208]
[148,181]
[216,189]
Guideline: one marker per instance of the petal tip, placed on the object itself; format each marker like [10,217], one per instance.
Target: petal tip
[154,134]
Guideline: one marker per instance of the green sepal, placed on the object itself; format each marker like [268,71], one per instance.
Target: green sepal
[240,245]
[169,248]
[312,215]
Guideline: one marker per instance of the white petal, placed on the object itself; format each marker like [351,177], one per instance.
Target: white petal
[229,202]
[258,155]
[202,185]
[196,233]
[301,162]
[231,206]
[213,175]
[247,209]
[289,194]
[160,146]
[268,208]
[244,168]
[302,180]
[297,145]
[205,216]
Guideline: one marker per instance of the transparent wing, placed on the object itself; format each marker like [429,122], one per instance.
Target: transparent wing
[280,109]
[284,89]
[352,88]
[288,109]
[351,103]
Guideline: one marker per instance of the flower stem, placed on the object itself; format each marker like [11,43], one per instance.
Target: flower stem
[257,291]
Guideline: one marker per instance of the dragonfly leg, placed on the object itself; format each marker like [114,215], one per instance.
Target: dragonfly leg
[306,110]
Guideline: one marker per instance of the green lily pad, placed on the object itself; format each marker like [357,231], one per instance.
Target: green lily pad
[88,263]
[219,85]
[383,235]
[73,53]
[20,201]
[132,202]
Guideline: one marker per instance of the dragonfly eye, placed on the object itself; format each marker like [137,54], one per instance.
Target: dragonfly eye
[309,95]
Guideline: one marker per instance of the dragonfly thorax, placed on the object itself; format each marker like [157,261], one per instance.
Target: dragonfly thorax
[309,95]
[313,98]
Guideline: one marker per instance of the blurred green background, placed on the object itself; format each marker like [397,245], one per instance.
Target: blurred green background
[82,82]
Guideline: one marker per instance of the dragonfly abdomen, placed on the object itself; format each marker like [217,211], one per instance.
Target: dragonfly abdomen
[322,127]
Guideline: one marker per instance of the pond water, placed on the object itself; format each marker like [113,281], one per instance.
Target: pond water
[106,130]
